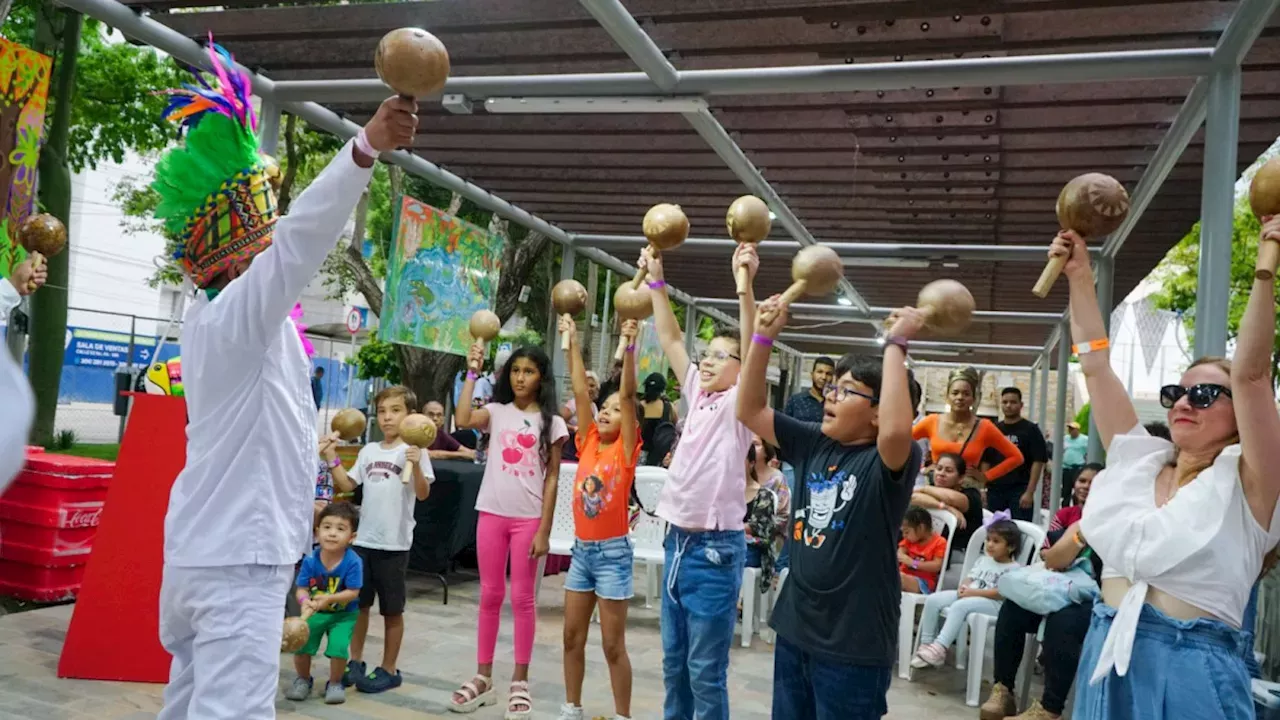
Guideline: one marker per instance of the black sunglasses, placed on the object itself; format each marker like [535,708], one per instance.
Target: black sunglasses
[1200,396]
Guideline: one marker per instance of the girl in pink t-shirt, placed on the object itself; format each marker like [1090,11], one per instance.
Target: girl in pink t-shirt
[516,502]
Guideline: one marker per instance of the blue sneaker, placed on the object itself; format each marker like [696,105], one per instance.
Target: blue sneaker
[378,681]
[355,671]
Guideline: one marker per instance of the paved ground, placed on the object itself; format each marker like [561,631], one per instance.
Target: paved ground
[439,653]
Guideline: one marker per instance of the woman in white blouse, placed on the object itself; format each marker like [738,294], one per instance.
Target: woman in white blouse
[1181,526]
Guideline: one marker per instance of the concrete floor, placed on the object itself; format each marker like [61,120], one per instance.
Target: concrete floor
[439,653]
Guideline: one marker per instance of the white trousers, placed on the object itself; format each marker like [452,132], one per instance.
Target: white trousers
[223,626]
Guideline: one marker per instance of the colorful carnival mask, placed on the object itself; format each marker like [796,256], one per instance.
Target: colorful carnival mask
[164,378]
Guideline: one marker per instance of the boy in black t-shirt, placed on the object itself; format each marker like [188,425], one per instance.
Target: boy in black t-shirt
[837,617]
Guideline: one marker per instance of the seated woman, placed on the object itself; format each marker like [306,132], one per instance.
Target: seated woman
[962,432]
[952,493]
[1181,526]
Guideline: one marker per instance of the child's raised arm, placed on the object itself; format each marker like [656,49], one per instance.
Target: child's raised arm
[578,376]
[753,399]
[664,318]
[896,413]
[342,482]
[627,389]
[745,257]
[464,416]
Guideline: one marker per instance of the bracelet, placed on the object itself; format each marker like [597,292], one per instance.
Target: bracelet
[1091,346]
[657,284]
[897,340]
[362,144]
[631,348]
[762,340]
[335,462]
[471,375]
[915,564]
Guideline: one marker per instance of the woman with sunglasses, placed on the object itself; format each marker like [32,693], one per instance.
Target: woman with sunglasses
[1181,526]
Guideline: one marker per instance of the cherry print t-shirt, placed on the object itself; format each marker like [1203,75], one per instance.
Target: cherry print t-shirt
[514,471]
[602,489]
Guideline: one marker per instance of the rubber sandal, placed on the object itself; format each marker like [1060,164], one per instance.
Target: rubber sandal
[517,697]
[474,698]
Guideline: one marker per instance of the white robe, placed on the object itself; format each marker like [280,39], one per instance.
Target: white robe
[17,405]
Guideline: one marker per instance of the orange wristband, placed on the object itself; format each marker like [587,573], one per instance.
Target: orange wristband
[1091,346]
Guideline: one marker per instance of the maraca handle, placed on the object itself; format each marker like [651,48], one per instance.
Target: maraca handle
[407,475]
[1049,276]
[640,276]
[306,613]
[791,294]
[1268,258]
[622,347]
[564,338]
[742,278]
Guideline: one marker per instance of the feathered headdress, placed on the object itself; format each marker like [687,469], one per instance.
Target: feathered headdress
[215,189]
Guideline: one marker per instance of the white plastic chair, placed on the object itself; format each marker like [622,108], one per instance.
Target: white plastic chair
[650,531]
[562,537]
[942,519]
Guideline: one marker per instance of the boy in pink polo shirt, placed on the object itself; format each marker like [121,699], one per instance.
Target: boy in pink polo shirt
[704,500]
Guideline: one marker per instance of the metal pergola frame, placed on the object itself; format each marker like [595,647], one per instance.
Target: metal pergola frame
[1213,102]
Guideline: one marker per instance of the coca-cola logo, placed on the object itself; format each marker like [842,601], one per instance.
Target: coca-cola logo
[81,517]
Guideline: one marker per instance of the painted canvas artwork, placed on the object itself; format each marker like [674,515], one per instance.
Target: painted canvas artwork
[441,270]
[650,357]
[24,90]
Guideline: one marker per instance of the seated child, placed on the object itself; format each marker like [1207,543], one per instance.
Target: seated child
[977,592]
[920,552]
[329,586]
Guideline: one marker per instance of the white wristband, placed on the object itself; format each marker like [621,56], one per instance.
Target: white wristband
[362,144]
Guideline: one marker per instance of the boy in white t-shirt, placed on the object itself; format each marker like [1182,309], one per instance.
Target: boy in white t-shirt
[386,532]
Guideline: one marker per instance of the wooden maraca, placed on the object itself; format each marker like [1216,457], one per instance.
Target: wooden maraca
[568,297]
[665,227]
[815,271]
[485,325]
[748,223]
[1264,199]
[418,431]
[947,304]
[631,303]
[42,235]
[412,62]
[348,423]
[296,632]
[1093,205]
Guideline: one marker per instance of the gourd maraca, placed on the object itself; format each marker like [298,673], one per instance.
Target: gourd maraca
[815,271]
[568,297]
[665,227]
[296,632]
[42,235]
[1093,205]
[418,431]
[348,423]
[948,306]
[485,325]
[412,62]
[748,223]
[631,303]
[1264,199]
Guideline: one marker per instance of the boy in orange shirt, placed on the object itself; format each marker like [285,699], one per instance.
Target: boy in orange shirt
[920,552]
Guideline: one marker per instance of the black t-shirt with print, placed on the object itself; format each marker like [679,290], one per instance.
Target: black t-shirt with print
[842,595]
[1030,441]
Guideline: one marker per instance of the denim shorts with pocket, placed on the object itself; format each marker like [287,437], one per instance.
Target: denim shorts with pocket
[604,567]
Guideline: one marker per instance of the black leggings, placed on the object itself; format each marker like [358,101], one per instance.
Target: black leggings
[1064,633]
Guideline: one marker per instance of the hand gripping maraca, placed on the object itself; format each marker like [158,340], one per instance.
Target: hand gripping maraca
[412,62]
[42,236]
[631,304]
[349,424]
[420,432]
[1264,199]
[815,271]
[665,227]
[748,223]
[1093,205]
[568,297]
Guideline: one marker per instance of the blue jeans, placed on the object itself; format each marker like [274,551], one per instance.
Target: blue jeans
[1179,668]
[703,576]
[806,687]
[1250,620]
[603,567]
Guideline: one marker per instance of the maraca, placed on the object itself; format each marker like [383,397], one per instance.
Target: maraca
[349,423]
[748,222]
[485,325]
[1264,198]
[666,227]
[568,297]
[412,61]
[418,431]
[296,632]
[41,235]
[947,306]
[631,303]
[1093,205]
[816,270]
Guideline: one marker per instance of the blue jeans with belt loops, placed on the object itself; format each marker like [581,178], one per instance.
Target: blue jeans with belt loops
[703,576]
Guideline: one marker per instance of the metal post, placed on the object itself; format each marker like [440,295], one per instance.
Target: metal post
[602,357]
[269,126]
[1060,417]
[1043,409]
[1105,284]
[561,368]
[691,322]
[128,363]
[1217,203]
[351,370]
[1031,390]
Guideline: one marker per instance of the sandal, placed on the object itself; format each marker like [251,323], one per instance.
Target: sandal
[519,702]
[471,696]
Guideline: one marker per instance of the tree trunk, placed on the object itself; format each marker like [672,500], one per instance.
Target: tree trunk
[49,306]
[291,163]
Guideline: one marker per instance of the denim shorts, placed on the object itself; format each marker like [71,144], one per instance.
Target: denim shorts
[604,567]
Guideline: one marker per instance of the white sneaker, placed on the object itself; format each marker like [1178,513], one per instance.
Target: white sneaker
[919,663]
[570,712]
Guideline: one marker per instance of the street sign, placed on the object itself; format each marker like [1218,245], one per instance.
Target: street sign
[354,321]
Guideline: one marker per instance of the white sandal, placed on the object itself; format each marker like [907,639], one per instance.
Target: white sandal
[517,697]
[474,697]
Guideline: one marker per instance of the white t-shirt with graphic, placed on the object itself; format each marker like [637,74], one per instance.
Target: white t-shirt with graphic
[515,472]
[986,572]
[386,513]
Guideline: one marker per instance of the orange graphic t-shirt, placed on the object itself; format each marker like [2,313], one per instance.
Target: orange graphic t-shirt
[602,489]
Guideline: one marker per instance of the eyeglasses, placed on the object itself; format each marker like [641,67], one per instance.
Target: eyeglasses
[1200,396]
[719,356]
[844,393]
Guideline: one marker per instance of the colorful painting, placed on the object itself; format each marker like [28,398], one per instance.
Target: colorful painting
[650,357]
[24,90]
[441,270]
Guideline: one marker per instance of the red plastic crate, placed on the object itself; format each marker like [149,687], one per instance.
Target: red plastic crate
[39,584]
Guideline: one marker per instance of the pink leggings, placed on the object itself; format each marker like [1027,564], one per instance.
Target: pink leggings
[498,536]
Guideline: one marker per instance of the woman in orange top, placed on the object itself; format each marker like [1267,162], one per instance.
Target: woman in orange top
[962,432]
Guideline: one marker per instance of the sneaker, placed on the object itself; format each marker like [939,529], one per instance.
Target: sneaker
[1036,712]
[570,712]
[999,705]
[929,655]
[378,681]
[299,690]
[355,671]
[334,694]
